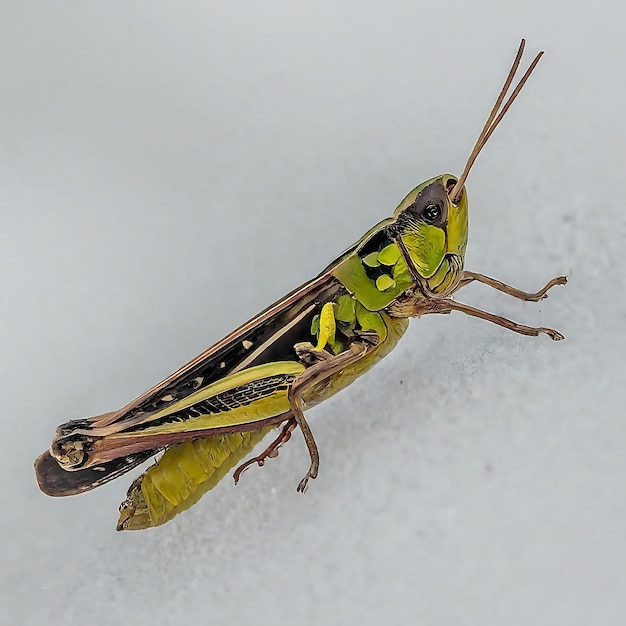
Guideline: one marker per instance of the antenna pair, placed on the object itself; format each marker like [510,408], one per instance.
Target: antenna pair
[495,117]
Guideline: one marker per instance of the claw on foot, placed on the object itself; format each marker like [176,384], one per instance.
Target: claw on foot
[303,485]
[543,294]
[244,466]
[555,335]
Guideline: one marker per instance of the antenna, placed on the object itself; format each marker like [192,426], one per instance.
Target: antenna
[495,117]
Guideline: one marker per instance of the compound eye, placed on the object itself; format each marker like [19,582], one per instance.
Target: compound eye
[432,213]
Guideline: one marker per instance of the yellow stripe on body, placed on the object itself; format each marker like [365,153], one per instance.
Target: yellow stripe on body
[258,409]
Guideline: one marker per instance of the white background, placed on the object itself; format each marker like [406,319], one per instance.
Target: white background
[167,169]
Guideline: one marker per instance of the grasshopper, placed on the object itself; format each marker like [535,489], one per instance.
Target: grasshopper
[208,415]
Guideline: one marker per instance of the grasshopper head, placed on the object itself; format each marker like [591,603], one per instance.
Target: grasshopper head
[433,231]
[431,222]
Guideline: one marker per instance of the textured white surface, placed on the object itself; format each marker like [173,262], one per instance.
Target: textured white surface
[168,169]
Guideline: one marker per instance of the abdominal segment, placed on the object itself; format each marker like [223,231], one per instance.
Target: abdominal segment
[184,473]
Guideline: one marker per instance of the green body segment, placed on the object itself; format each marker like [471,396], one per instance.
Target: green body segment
[184,473]
[371,292]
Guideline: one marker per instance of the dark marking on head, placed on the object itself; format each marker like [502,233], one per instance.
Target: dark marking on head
[430,206]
